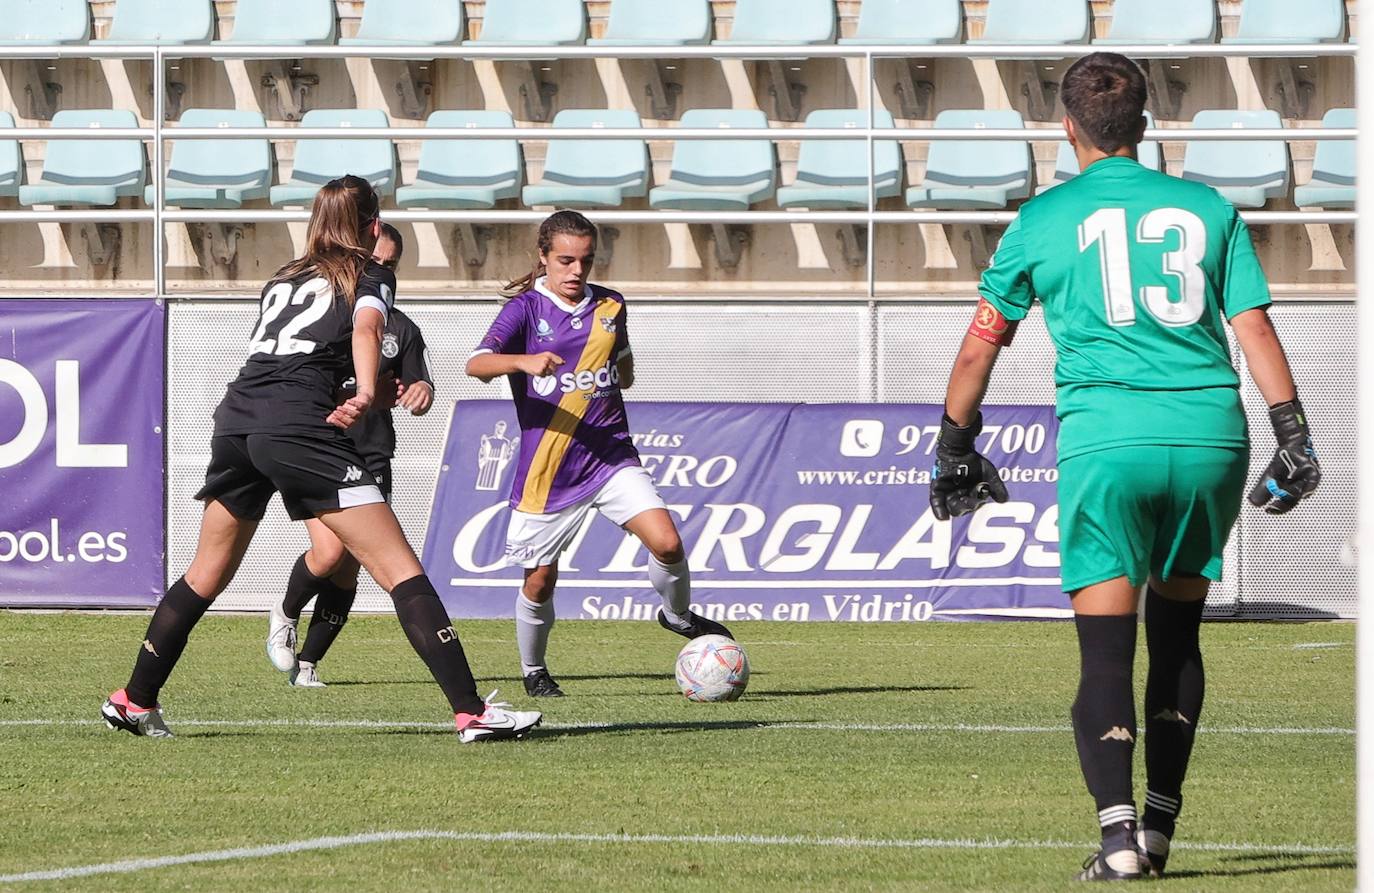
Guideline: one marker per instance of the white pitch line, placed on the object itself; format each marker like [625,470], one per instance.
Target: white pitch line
[1305,645]
[330,843]
[762,725]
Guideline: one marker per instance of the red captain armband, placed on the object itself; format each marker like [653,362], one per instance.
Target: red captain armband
[991,326]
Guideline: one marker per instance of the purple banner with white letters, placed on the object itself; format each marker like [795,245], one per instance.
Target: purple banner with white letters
[81,452]
[787,512]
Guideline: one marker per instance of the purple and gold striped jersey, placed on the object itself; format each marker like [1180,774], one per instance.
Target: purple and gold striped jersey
[573,431]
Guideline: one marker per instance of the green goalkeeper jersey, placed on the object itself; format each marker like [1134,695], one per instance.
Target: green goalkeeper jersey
[1135,270]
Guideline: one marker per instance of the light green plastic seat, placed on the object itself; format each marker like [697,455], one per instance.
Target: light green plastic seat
[1164,22]
[216,173]
[514,23]
[465,174]
[592,173]
[409,23]
[320,160]
[1036,22]
[643,23]
[781,23]
[1333,169]
[161,23]
[1247,173]
[902,22]
[1290,21]
[11,160]
[1066,162]
[719,175]
[27,22]
[282,23]
[89,172]
[974,175]
[834,173]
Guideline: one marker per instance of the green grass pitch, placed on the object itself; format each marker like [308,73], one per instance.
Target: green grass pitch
[884,757]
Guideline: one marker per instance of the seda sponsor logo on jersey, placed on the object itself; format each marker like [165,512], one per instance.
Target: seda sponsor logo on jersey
[598,382]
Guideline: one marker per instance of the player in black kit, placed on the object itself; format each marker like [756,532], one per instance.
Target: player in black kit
[328,572]
[279,429]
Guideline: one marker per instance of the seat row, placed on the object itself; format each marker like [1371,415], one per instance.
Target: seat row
[706,175]
[643,22]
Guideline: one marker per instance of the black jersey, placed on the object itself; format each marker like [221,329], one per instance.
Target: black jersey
[404,356]
[299,354]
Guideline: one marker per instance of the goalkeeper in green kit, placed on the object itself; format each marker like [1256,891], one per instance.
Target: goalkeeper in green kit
[1136,271]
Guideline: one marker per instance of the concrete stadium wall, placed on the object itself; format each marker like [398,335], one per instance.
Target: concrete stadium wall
[912,261]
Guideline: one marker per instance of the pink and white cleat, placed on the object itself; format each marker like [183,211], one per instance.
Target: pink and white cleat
[119,713]
[497,721]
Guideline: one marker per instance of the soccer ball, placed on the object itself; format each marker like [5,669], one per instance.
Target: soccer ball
[712,668]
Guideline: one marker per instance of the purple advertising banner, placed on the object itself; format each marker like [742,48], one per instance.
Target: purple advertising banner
[788,512]
[81,452]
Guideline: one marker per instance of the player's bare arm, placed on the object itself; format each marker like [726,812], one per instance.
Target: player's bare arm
[486,366]
[367,358]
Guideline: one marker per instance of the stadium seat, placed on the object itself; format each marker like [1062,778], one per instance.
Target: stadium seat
[275,23]
[89,172]
[40,22]
[161,23]
[1162,22]
[592,173]
[719,175]
[1066,162]
[1333,169]
[516,23]
[642,23]
[834,173]
[1036,22]
[409,23]
[982,174]
[320,160]
[11,160]
[1284,21]
[217,173]
[1247,174]
[465,174]
[781,22]
[903,22]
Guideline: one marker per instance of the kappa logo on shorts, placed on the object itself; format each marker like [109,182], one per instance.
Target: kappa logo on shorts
[354,473]
[390,347]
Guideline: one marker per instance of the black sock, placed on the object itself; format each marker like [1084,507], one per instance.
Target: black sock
[300,588]
[1173,700]
[1104,713]
[176,615]
[431,634]
[331,613]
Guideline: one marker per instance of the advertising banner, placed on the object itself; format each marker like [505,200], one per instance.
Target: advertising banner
[787,511]
[81,452]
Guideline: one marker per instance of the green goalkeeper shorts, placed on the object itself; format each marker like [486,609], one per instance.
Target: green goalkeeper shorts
[1139,510]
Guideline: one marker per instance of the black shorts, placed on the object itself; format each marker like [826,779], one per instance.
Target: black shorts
[381,473]
[313,475]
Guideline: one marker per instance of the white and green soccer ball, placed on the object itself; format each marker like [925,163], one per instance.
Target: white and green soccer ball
[712,668]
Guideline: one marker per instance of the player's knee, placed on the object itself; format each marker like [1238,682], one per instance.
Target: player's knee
[329,556]
[209,581]
[539,584]
[668,549]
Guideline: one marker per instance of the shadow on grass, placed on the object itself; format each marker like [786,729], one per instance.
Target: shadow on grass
[1292,862]
[854,690]
[671,728]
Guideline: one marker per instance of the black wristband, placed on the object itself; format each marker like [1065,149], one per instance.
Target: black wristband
[960,438]
[1289,421]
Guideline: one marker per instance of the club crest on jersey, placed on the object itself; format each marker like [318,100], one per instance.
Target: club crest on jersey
[608,323]
[543,331]
[390,347]
[576,322]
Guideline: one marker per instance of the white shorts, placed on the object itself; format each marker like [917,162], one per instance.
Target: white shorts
[538,540]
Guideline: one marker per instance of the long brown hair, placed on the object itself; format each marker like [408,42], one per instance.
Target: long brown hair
[559,223]
[344,209]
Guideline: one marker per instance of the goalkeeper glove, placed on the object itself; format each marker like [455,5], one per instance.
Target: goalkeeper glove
[962,479]
[1294,472]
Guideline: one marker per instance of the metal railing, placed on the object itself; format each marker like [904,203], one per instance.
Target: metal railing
[159,134]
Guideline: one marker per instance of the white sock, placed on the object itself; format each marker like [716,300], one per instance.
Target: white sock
[533,622]
[673,583]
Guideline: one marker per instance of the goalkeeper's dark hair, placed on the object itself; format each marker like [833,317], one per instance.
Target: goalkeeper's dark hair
[559,223]
[1104,94]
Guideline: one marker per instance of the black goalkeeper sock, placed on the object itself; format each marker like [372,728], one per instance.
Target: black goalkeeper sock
[301,587]
[431,634]
[331,613]
[176,615]
[1104,713]
[1173,700]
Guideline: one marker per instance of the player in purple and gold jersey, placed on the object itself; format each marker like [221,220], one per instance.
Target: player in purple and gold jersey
[563,345]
